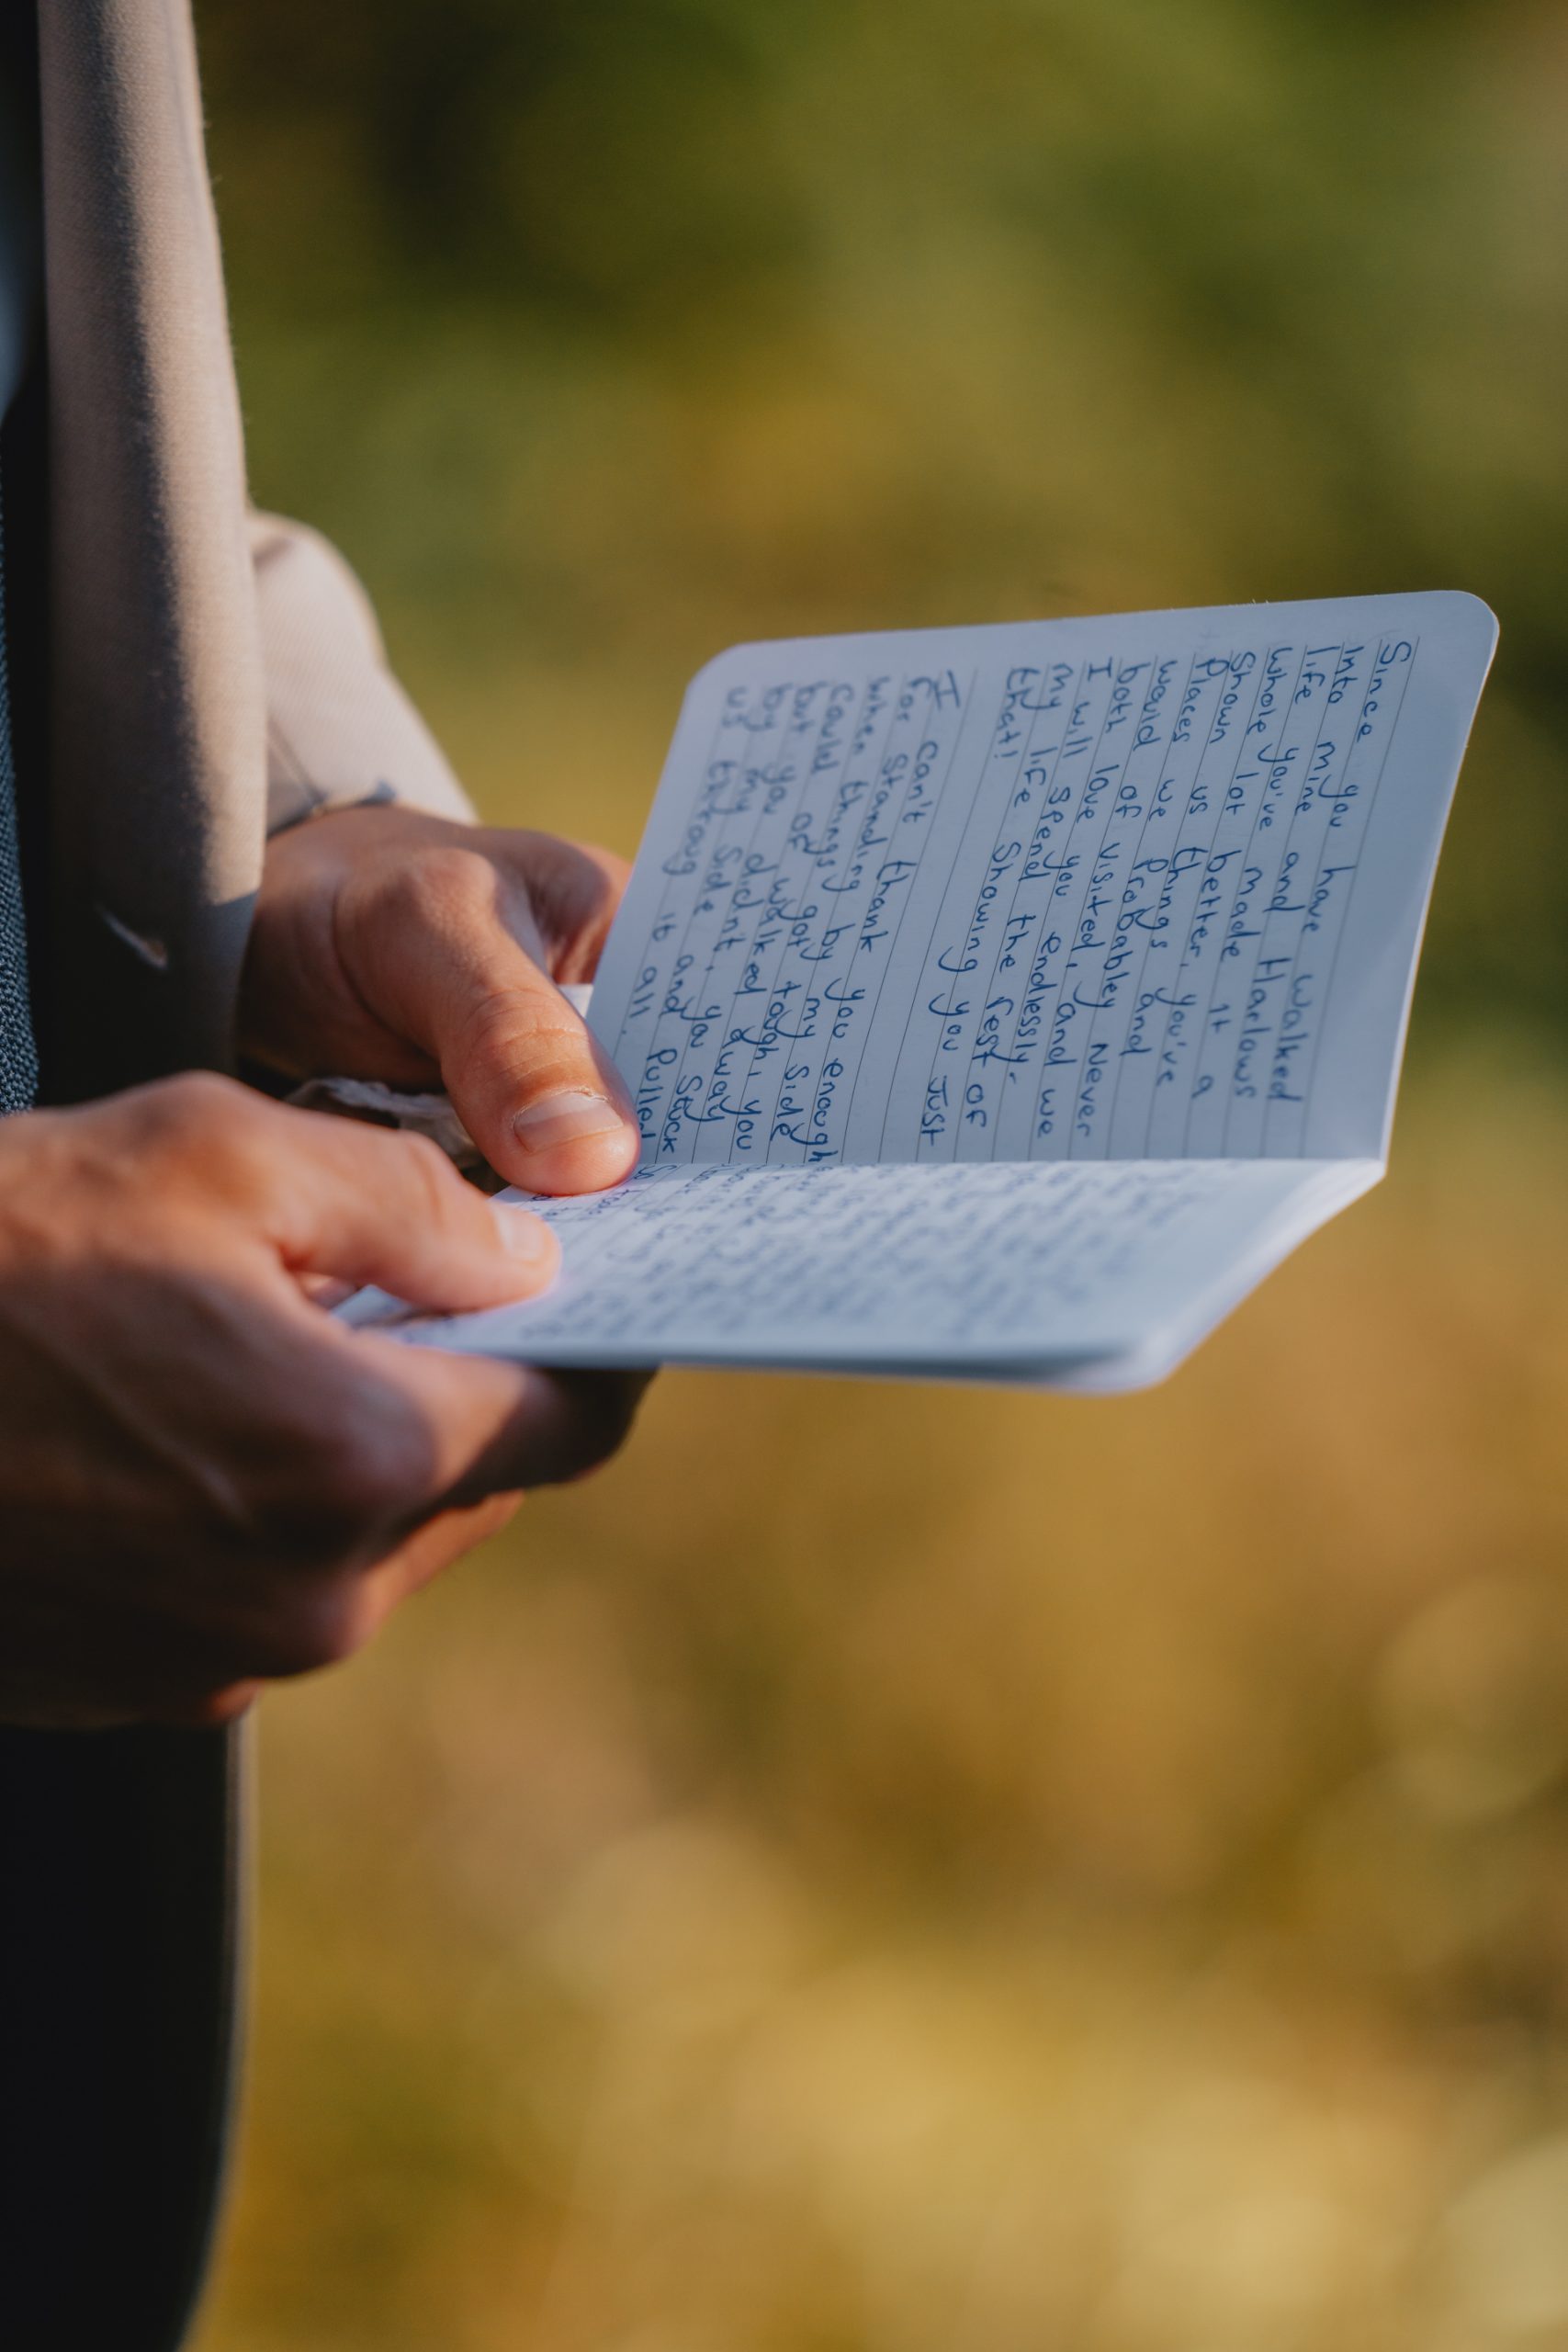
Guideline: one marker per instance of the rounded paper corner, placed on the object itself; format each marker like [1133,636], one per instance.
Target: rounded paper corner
[1473,612]
[711,673]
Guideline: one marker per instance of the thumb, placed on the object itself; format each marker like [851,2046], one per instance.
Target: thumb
[534,1088]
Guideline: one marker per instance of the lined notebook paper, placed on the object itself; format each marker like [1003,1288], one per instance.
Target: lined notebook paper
[1002,1004]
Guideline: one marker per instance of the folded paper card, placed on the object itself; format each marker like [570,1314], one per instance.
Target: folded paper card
[1002,1004]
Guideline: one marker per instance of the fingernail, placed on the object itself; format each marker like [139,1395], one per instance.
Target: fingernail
[528,1237]
[567,1118]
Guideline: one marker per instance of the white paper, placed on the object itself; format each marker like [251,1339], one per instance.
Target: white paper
[1136,888]
[1006,1272]
[1002,1002]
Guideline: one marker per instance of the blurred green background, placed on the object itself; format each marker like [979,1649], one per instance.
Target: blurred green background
[886,1871]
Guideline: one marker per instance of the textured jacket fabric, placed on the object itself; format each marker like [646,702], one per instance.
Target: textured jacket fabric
[212,673]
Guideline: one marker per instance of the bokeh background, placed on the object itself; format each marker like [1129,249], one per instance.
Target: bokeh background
[917,1872]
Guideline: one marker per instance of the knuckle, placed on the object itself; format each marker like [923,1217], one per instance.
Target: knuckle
[428,1161]
[574,885]
[201,1117]
[609,876]
[443,882]
[431,1178]
[196,1091]
[194,1101]
[600,1411]
[319,1623]
[607,1433]
[365,1481]
[356,1467]
[202,1097]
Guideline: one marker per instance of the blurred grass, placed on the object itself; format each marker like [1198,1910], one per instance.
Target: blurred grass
[604,333]
[896,1870]
[911,1869]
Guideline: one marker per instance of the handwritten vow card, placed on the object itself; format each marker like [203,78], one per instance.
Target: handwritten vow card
[1002,1004]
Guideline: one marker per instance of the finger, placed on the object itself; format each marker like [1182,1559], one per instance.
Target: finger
[537,1093]
[573,890]
[433,1547]
[317,1621]
[197,1659]
[367,1204]
[491,1427]
[494,1425]
[561,1426]
[355,1613]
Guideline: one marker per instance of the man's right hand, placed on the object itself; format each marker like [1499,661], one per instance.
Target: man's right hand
[205,1481]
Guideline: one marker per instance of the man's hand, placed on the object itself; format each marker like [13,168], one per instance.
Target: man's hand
[205,1480]
[393,945]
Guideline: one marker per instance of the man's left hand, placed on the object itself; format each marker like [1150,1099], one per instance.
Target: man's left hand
[389,944]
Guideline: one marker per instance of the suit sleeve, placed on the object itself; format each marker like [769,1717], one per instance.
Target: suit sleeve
[340,730]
